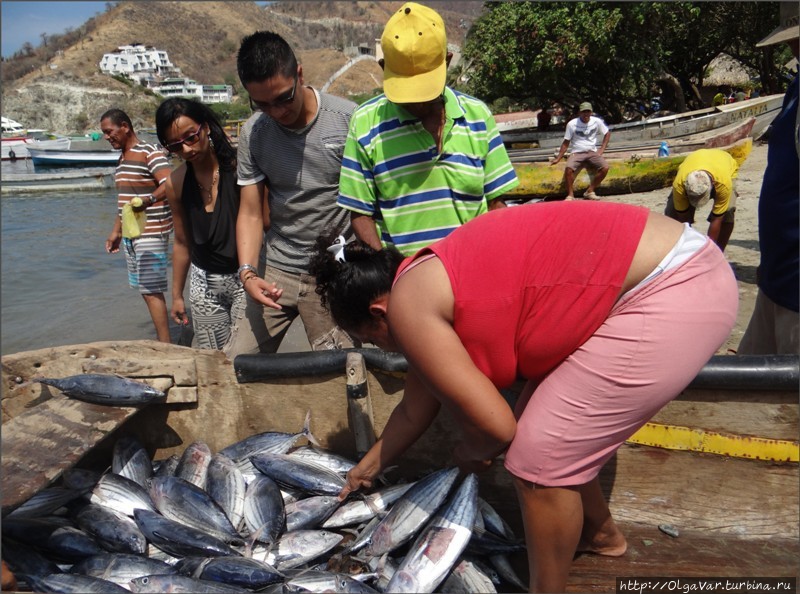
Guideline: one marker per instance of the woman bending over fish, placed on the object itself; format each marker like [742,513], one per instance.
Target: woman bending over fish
[607,310]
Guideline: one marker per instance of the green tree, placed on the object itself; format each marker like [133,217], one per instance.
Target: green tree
[611,53]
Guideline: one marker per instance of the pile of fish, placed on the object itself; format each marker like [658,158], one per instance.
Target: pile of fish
[260,515]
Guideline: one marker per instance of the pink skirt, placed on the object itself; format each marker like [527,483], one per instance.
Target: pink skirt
[653,344]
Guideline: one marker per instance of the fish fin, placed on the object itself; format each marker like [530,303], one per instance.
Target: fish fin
[307,430]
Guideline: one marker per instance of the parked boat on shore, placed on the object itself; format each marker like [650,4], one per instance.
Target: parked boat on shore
[717,138]
[83,180]
[671,127]
[78,153]
[636,172]
[702,465]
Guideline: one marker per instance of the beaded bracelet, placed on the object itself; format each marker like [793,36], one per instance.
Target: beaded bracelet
[247,278]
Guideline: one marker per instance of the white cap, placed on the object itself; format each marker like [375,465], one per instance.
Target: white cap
[698,187]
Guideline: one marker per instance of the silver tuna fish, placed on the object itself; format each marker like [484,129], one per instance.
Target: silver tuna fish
[108,390]
[411,512]
[440,544]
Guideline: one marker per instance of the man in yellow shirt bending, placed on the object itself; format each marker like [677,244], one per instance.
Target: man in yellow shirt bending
[706,174]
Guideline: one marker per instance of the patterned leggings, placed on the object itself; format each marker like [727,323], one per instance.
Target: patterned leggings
[215,300]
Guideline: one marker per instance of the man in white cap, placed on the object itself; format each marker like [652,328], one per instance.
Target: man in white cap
[421,159]
[581,138]
[704,175]
[774,327]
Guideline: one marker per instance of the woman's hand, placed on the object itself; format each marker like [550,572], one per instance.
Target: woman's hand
[466,461]
[357,478]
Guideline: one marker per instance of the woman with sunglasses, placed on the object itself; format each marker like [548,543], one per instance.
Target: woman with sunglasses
[204,199]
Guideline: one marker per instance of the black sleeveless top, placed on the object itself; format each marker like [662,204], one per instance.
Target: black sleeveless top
[212,235]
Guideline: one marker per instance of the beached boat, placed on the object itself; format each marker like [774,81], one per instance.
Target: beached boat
[80,153]
[717,138]
[637,172]
[82,180]
[671,127]
[719,464]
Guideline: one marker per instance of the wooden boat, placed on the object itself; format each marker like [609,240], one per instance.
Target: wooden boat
[720,463]
[83,153]
[638,172]
[720,137]
[671,127]
[83,180]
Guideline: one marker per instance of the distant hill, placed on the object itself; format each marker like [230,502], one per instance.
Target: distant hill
[69,93]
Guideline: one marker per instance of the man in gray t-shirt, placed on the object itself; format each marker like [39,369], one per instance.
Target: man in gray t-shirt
[289,157]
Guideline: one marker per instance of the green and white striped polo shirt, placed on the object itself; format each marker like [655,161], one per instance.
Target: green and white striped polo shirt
[392,171]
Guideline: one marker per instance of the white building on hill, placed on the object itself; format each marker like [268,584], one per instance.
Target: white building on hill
[151,68]
[186,87]
[139,62]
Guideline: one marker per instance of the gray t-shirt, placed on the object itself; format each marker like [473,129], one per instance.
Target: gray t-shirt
[301,170]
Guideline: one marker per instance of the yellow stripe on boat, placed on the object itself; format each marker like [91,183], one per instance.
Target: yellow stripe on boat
[673,437]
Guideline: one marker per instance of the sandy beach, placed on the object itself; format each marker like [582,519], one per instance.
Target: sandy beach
[742,251]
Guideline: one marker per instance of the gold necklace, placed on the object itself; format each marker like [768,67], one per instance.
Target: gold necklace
[213,182]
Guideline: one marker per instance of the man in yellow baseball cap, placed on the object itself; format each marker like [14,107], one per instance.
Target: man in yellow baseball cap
[415,53]
[421,159]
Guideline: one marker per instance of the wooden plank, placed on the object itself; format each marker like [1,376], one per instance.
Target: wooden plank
[721,496]
[183,371]
[652,553]
[59,431]
[755,418]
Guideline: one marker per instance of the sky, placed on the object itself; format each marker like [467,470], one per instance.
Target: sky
[26,21]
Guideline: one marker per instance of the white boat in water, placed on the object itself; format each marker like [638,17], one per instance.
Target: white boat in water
[671,127]
[89,179]
[76,154]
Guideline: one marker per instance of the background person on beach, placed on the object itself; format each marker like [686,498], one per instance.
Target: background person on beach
[774,327]
[204,199]
[289,156]
[421,159]
[581,138]
[706,174]
[142,170]
[474,310]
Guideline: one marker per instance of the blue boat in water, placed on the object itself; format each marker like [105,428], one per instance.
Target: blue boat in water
[92,153]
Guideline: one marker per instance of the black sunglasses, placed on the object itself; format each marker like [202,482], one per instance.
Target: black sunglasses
[283,101]
[174,147]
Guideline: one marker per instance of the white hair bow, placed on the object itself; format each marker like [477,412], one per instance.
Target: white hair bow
[337,249]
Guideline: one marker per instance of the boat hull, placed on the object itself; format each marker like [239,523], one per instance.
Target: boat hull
[84,180]
[676,126]
[717,501]
[72,158]
[18,147]
[637,173]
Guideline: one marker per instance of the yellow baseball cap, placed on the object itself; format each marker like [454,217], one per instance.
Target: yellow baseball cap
[414,46]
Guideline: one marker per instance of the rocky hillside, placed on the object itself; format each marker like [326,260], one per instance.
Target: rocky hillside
[69,93]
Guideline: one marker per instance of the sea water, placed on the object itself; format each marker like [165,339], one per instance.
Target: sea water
[58,284]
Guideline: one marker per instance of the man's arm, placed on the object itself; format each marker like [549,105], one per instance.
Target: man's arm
[603,146]
[365,230]
[561,151]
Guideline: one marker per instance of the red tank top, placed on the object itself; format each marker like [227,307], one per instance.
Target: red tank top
[532,283]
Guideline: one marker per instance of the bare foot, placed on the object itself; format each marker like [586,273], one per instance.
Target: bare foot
[608,545]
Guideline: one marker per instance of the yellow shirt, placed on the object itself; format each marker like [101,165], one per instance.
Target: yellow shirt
[723,169]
